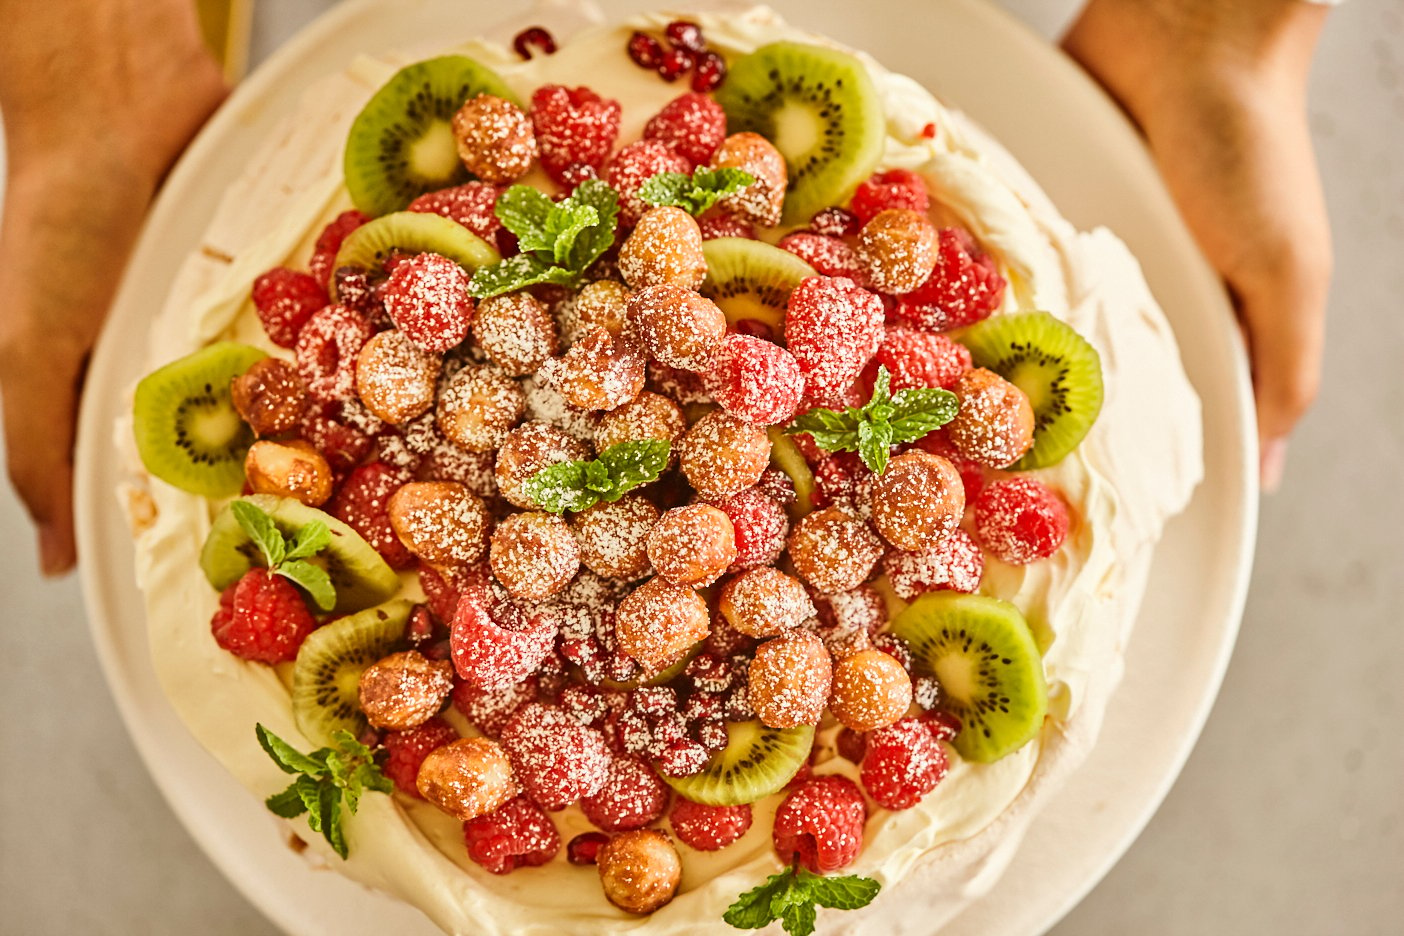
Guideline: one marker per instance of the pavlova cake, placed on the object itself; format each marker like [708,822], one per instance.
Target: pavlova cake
[653,477]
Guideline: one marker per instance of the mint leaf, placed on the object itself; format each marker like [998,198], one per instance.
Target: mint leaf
[919,410]
[874,444]
[285,755]
[561,487]
[329,802]
[633,463]
[287,804]
[261,529]
[369,777]
[310,540]
[696,193]
[884,421]
[577,485]
[798,919]
[791,897]
[752,909]
[564,226]
[517,273]
[524,211]
[666,188]
[591,243]
[313,579]
[559,240]
[848,892]
[310,792]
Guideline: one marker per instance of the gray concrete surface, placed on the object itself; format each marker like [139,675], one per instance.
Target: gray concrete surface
[1287,819]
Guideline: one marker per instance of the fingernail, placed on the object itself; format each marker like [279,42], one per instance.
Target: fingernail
[1272,463]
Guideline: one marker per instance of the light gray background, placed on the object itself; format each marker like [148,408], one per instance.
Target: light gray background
[1287,819]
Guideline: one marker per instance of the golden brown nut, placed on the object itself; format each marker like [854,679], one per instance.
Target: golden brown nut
[897,250]
[599,372]
[917,500]
[760,202]
[534,555]
[692,545]
[658,622]
[478,407]
[516,332]
[270,396]
[664,248]
[833,550]
[639,870]
[995,423]
[677,326]
[404,690]
[529,448]
[613,537]
[441,522]
[871,690]
[789,680]
[603,304]
[467,778]
[495,139]
[289,469]
[648,416]
[395,378]
[722,455]
[764,602]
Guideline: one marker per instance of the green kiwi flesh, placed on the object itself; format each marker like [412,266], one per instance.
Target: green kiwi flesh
[187,431]
[756,762]
[786,456]
[401,145]
[983,654]
[662,679]
[821,110]
[1055,366]
[414,232]
[750,279]
[326,677]
[361,578]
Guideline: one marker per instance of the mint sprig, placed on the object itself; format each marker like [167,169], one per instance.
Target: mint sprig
[578,485]
[792,896]
[326,778]
[697,192]
[884,421]
[559,240]
[290,561]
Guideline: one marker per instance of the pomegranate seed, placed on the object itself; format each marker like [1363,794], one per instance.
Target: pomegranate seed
[644,50]
[674,63]
[928,132]
[685,35]
[711,71]
[584,849]
[756,329]
[533,36]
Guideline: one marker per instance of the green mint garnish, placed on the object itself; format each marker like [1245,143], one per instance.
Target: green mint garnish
[884,421]
[558,240]
[290,561]
[577,485]
[791,897]
[697,192]
[325,778]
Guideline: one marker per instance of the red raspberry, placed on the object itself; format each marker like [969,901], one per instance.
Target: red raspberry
[851,744]
[895,188]
[515,835]
[575,129]
[842,479]
[440,593]
[680,386]
[755,379]
[262,617]
[492,655]
[943,725]
[631,798]
[427,297]
[725,641]
[832,327]
[725,225]
[683,757]
[557,760]
[407,750]
[828,255]
[903,763]
[361,504]
[803,775]
[694,126]
[859,609]
[489,711]
[284,300]
[953,562]
[895,647]
[761,527]
[709,828]
[709,72]
[584,849]
[329,244]
[634,165]
[918,359]
[1020,520]
[470,204]
[326,352]
[821,824]
[972,474]
[835,222]
[343,446]
[963,289]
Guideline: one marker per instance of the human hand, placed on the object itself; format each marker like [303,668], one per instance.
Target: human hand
[1219,91]
[97,104]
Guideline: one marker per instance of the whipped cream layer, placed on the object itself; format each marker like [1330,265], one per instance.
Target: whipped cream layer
[1136,468]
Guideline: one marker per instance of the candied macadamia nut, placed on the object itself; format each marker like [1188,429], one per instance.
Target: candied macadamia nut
[664,248]
[516,332]
[599,372]
[289,469]
[404,690]
[601,304]
[658,622]
[722,455]
[897,250]
[613,537]
[529,448]
[648,416]
[833,550]
[790,679]
[270,396]
[395,378]
[676,326]
[762,201]
[639,870]
[495,139]
[871,690]
[441,522]
[692,545]
[534,555]
[467,778]
[918,499]
[478,407]
[995,423]
[764,602]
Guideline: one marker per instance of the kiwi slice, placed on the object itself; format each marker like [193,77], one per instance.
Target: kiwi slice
[187,430]
[983,654]
[821,110]
[326,678]
[1054,365]
[786,456]
[361,578]
[414,232]
[750,279]
[662,679]
[756,762]
[401,145]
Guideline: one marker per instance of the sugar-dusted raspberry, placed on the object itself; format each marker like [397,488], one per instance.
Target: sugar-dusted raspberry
[362,503]
[586,704]
[675,63]
[489,710]
[953,562]
[407,750]
[709,72]
[327,348]
[284,300]
[709,828]
[718,225]
[895,188]
[835,222]
[1020,520]
[470,204]
[556,759]
[683,758]
[680,386]
[490,654]
[761,527]
[516,835]
[441,592]
[631,798]
[903,763]
[756,380]
[584,849]
[830,256]
[895,647]
[832,327]
[841,479]
[821,824]
[427,296]
[942,724]
[329,243]
[264,619]
[917,358]
[723,642]
[342,445]
[694,125]
[861,609]
[495,139]
[575,131]
[963,288]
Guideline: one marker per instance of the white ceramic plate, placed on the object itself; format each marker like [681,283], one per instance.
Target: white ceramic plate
[1091,163]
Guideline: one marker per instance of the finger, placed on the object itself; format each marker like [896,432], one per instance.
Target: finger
[39,457]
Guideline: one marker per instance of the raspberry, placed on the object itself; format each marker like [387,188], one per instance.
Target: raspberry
[709,828]
[631,798]
[634,165]
[644,50]
[709,72]
[821,824]
[828,255]
[693,125]
[407,750]
[584,849]
[683,758]
[714,226]
[354,290]
[754,379]
[895,647]
[843,480]
[761,527]
[517,834]
[972,473]
[851,744]
[860,609]
[262,617]
[832,327]
[953,562]
[943,725]
[918,359]
[903,763]
[963,289]
[575,130]
[489,711]
[557,760]
[895,188]
[361,503]
[326,352]
[492,655]
[427,297]
[329,244]
[534,36]
[284,300]
[835,222]
[1020,520]
[470,204]
[441,593]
